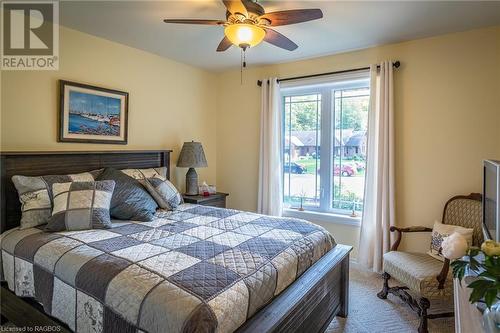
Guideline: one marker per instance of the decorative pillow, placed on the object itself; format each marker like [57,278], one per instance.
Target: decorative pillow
[161,189]
[81,206]
[146,173]
[130,200]
[35,195]
[440,231]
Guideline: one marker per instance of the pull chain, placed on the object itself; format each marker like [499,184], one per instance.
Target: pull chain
[243,63]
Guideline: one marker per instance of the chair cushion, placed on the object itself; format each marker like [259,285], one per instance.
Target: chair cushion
[418,272]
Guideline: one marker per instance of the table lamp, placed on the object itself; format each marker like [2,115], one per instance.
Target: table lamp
[192,156]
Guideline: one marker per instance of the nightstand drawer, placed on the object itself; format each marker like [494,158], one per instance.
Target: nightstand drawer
[214,200]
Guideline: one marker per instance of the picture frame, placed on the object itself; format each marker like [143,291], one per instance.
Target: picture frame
[91,114]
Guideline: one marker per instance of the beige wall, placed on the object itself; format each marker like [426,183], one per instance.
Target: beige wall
[169,102]
[447,121]
[447,113]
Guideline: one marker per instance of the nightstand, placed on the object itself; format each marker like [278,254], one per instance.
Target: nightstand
[216,200]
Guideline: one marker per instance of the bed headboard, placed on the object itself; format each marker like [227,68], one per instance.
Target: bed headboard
[61,163]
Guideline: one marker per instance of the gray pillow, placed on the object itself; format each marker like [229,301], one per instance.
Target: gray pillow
[81,206]
[146,173]
[163,191]
[35,195]
[130,200]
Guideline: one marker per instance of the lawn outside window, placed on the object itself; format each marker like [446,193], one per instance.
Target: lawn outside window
[324,146]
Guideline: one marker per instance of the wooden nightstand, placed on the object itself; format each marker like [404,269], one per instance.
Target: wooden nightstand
[217,200]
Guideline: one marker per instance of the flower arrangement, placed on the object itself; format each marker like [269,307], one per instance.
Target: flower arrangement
[484,261]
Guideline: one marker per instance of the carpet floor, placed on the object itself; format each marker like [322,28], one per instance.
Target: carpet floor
[368,313]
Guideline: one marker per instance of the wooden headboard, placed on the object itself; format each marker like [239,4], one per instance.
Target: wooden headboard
[61,163]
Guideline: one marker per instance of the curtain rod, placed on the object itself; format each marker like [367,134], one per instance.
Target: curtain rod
[396,64]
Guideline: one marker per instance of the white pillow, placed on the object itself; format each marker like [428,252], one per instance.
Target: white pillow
[440,231]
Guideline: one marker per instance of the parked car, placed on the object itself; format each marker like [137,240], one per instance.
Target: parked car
[346,170]
[292,167]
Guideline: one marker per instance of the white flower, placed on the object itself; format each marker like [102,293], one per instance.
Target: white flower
[454,246]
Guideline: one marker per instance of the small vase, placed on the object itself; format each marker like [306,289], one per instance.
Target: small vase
[491,319]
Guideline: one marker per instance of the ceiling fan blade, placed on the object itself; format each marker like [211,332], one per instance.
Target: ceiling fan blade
[224,44]
[292,16]
[194,21]
[277,39]
[235,6]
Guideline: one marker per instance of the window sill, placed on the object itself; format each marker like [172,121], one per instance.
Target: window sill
[323,217]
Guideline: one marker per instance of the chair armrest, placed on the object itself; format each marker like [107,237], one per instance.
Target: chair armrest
[411,229]
[444,273]
[400,231]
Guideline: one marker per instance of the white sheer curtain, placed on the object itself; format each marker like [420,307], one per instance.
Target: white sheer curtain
[379,206]
[270,196]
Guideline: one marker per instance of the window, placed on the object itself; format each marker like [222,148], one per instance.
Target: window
[324,144]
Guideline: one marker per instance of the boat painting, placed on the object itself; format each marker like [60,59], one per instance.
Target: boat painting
[92,114]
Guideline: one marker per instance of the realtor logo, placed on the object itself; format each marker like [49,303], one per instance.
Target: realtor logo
[30,35]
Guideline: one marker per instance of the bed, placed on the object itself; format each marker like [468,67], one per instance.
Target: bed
[258,274]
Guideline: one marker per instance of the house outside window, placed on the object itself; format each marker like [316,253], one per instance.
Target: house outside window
[324,146]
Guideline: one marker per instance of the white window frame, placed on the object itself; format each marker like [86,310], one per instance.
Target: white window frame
[325,86]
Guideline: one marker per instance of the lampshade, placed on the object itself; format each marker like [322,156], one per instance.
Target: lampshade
[192,156]
[244,34]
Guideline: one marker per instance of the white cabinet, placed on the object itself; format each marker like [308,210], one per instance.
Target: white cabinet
[468,318]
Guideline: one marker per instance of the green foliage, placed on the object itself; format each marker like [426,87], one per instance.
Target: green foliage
[346,200]
[304,115]
[354,113]
[487,285]
[358,158]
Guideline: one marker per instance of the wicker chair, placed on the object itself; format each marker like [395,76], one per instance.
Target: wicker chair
[422,274]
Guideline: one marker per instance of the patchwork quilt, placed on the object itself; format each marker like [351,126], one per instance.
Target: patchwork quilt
[194,269]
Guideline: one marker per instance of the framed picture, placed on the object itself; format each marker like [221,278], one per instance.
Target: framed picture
[91,114]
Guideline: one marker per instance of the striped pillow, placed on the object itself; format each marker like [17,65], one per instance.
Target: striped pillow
[161,189]
[81,205]
[146,173]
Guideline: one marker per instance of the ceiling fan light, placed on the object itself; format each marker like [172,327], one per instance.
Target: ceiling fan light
[244,34]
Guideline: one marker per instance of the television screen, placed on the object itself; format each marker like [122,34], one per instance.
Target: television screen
[491,192]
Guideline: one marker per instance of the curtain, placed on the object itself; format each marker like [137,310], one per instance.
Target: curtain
[270,195]
[379,205]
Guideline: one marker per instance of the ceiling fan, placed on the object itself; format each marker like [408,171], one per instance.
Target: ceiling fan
[247,24]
